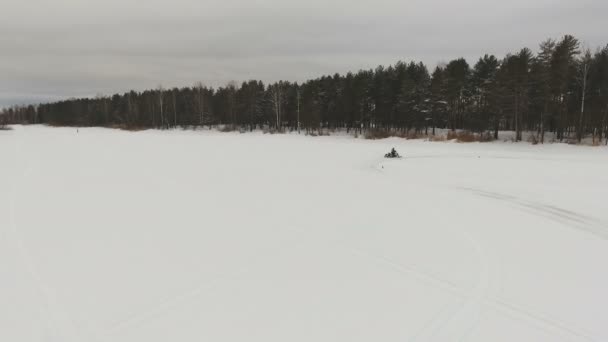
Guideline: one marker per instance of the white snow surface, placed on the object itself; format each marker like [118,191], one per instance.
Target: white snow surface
[108,235]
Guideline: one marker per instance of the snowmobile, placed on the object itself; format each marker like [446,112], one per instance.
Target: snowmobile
[392,154]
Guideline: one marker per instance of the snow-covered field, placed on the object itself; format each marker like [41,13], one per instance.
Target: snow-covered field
[151,236]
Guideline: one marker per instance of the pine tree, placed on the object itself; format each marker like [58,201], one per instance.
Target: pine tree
[438,98]
[563,72]
[483,82]
[458,73]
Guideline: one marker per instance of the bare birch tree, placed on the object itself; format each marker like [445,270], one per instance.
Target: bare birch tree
[584,66]
[277,99]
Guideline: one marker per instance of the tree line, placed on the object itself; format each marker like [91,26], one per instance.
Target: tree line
[562,88]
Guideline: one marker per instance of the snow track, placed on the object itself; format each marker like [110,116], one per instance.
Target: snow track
[58,325]
[155,236]
[456,322]
[566,217]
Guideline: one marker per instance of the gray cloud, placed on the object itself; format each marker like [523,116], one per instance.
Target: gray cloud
[64,48]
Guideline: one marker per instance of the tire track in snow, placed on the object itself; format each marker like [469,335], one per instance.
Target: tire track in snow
[566,217]
[467,316]
[176,300]
[444,328]
[541,321]
[460,320]
[516,311]
[61,328]
[159,308]
[456,323]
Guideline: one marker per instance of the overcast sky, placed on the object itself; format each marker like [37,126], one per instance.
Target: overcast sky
[52,49]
